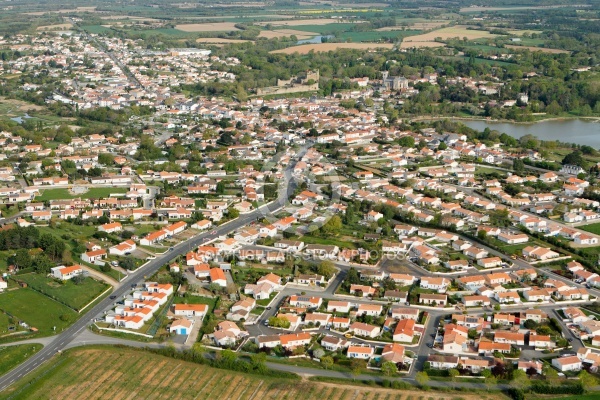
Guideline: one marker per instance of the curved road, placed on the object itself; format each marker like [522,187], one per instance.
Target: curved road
[61,341]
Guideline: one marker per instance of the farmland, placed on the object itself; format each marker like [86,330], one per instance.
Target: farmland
[306,48]
[11,356]
[286,32]
[37,310]
[101,372]
[219,41]
[208,27]
[542,49]
[68,293]
[460,31]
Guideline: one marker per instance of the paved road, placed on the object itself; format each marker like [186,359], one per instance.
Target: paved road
[64,339]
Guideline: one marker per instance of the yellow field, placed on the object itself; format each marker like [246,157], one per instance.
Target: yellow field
[208,27]
[306,48]
[532,48]
[459,31]
[297,22]
[286,32]
[57,27]
[220,41]
[108,372]
[64,11]
[418,45]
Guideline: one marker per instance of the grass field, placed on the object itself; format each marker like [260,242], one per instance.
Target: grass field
[37,310]
[118,373]
[306,48]
[93,193]
[592,228]
[277,33]
[97,29]
[11,356]
[75,296]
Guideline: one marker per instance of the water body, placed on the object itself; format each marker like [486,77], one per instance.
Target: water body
[20,120]
[579,131]
[315,39]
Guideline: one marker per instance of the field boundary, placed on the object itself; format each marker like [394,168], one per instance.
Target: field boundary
[122,331]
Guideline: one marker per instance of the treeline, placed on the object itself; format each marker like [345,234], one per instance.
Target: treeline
[25,239]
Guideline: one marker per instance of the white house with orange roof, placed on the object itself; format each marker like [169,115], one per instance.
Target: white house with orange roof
[65,273]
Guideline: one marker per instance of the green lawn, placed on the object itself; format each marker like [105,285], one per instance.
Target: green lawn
[74,295]
[11,356]
[37,310]
[327,241]
[593,228]
[113,273]
[93,193]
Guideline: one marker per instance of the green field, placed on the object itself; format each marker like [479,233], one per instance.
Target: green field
[37,310]
[326,29]
[69,293]
[97,29]
[11,356]
[93,193]
[592,228]
[102,372]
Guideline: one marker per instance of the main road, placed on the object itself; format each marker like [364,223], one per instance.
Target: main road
[61,341]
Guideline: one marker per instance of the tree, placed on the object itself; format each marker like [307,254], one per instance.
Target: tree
[453,373]
[356,367]
[389,368]
[587,380]
[422,378]
[551,375]
[326,268]
[574,158]
[490,382]
[23,259]
[327,362]
[482,234]
[233,213]
[318,353]
[520,378]
[518,166]
[333,226]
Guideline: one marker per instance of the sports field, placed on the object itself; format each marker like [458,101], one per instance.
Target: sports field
[119,373]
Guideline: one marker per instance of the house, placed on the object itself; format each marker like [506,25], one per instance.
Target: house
[241,309]
[3,284]
[340,322]
[540,341]
[476,301]
[181,326]
[293,340]
[123,248]
[489,262]
[111,227]
[433,299]
[405,313]
[65,273]
[365,330]
[361,352]
[305,301]
[511,238]
[539,253]
[364,291]
[527,366]
[333,343]
[372,310]
[393,352]
[190,310]
[228,333]
[438,361]
[567,363]
[507,297]
[218,276]
[93,256]
[404,331]
[338,306]
[538,295]
[435,283]
[396,295]
[513,338]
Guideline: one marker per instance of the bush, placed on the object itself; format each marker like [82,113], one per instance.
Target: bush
[516,394]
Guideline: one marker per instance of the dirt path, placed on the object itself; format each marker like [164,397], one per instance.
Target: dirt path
[101,276]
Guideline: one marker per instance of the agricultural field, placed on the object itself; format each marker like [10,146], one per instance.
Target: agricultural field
[298,22]
[459,31]
[418,45]
[92,193]
[208,27]
[56,27]
[11,356]
[100,372]
[306,48]
[37,310]
[532,48]
[219,41]
[68,293]
[286,32]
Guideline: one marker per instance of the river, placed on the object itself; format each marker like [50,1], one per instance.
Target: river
[579,131]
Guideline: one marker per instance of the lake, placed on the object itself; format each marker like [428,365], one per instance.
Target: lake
[315,39]
[579,131]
